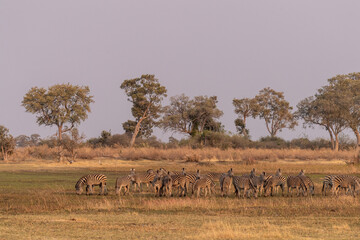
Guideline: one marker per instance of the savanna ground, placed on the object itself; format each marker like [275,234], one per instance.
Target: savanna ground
[38,201]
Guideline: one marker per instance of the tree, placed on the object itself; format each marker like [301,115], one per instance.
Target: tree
[177,115]
[72,142]
[244,108]
[345,90]
[192,116]
[322,110]
[24,141]
[61,105]
[146,94]
[275,110]
[7,142]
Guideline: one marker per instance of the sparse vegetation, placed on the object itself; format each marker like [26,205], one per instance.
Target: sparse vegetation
[46,205]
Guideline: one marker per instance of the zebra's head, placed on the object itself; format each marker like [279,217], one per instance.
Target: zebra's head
[78,187]
[302,172]
[230,173]
[198,174]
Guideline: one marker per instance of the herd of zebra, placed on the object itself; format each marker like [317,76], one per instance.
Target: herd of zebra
[165,182]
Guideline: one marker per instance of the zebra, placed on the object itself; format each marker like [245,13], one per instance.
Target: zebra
[245,184]
[91,180]
[327,183]
[349,183]
[146,178]
[258,181]
[125,182]
[165,172]
[225,181]
[297,183]
[308,182]
[272,182]
[203,183]
[180,181]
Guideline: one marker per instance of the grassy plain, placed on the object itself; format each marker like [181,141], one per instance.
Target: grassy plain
[37,201]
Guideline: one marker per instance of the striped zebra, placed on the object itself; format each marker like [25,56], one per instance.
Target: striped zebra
[308,182]
[225,181]
[327,183]
[90,181]
[272,182]
[162,184]
[125,182]
[258,181]
[203,183]
[297,183]
[144,178]
[165,172]
[346,182]
[245,184]
[181,182]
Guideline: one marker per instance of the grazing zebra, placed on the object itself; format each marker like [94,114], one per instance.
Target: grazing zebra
[90,181]
[349,183]
[245,184]
[308,182]
[327,183]
[297,183]
[146,178]
[225,181]
[125,182]
[272,182]
[203,183]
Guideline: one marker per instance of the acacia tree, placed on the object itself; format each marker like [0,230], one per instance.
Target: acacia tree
[324,110]
[244,108]
[61,105]
[191,116]
[275,110]
[146,94]
[7,142]
[345,93]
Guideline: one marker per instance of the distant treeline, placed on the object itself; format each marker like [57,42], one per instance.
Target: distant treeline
[207,139]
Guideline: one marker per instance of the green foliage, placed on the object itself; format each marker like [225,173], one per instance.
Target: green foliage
[275,110]
[192,116]
[244,108]
[26,141]
[7,143]
[146,94]
[62,105]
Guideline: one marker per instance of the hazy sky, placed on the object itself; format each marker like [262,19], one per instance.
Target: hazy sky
[231,49]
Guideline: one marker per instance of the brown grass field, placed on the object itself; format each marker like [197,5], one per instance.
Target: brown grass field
[38,201]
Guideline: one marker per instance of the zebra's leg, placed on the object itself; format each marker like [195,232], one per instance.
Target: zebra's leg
[91,189]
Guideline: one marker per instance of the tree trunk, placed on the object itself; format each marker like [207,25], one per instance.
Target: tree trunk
[60,146]
[136,131]
[244,128]
[336,147]
[331,139]
[357,149]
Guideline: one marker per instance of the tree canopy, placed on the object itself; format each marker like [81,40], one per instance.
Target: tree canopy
[244,108]
[146,94]
[192,116]
[275,110]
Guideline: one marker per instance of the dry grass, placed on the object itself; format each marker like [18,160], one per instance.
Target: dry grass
[37,201]
[245,156]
